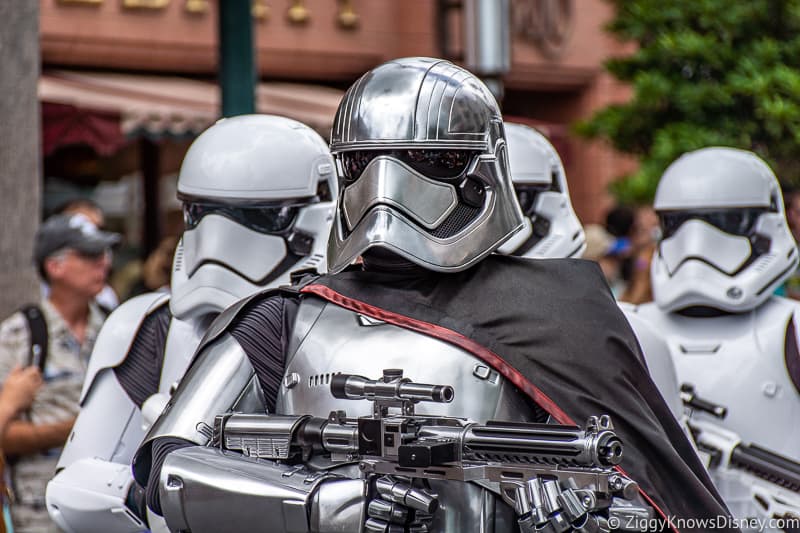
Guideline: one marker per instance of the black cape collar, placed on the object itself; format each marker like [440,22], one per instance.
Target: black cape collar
[553,328]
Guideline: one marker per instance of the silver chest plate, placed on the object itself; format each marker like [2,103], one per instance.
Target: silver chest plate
[330,340]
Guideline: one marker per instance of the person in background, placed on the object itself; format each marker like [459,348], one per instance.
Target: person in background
[16,395]
[57,336]
[643,236]
[599,244]
[152,274]
[107,298]
[791,204]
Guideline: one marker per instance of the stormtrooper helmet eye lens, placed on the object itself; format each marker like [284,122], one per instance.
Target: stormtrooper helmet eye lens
[192,213]
[441,164]
[263,219]
[526,196]
[354,163]
[736,221]
[268,219]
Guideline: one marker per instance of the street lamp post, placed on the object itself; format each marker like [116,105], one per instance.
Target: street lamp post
[237,66]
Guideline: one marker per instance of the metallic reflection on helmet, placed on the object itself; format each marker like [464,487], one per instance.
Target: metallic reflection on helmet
[426,137]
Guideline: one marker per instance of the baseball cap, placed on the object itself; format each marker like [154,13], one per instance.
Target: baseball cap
[75,232]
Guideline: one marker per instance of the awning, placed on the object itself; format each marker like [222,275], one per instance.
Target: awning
[106,109]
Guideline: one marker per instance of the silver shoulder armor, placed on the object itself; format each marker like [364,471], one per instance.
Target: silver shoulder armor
[212,385]
[328,340]
[117,334]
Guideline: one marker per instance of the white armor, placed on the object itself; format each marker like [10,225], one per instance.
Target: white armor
[657,357]
[726,246]
[257,194]
[551,227]
[739,362]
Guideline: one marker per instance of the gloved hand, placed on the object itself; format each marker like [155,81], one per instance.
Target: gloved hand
[398,507]
[545,504]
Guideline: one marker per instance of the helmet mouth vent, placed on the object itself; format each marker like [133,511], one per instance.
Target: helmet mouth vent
[460,218]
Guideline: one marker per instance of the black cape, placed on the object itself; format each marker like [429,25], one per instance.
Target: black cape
[553,327]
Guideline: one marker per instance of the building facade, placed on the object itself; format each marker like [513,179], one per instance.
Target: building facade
[150,66]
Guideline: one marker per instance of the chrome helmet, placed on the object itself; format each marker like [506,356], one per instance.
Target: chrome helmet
[725,241]
[421,157]
[257,194]
[552,228]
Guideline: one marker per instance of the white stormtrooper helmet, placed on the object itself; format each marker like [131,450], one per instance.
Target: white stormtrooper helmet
[726,244]
[257,194]
[551,227]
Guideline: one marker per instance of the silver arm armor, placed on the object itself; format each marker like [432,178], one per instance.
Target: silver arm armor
[213,384]
[246,494]
[206,490]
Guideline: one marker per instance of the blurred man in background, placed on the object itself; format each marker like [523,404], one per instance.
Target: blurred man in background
[56,336]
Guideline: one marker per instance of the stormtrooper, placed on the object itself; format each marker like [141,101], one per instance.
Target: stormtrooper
[257,196]
[425,197]
[726,247]
[551,228]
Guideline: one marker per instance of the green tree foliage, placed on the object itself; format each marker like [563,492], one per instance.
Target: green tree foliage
[706,72]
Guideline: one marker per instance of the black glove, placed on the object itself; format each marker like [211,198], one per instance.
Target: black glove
[397,507]
[545,505]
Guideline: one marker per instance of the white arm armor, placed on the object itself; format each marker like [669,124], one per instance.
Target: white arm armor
[108,425]
[88,493]
[745,493]
[206,490]
[89,496]
[658,358]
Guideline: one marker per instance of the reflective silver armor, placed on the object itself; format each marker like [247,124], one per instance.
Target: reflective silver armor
[421,156]
[329,340]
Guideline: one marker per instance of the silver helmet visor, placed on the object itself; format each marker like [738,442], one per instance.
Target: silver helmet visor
[390,182]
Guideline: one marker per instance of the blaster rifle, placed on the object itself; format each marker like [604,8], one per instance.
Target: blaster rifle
[527,464]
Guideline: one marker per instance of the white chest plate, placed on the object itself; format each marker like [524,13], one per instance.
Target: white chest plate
[740,362]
